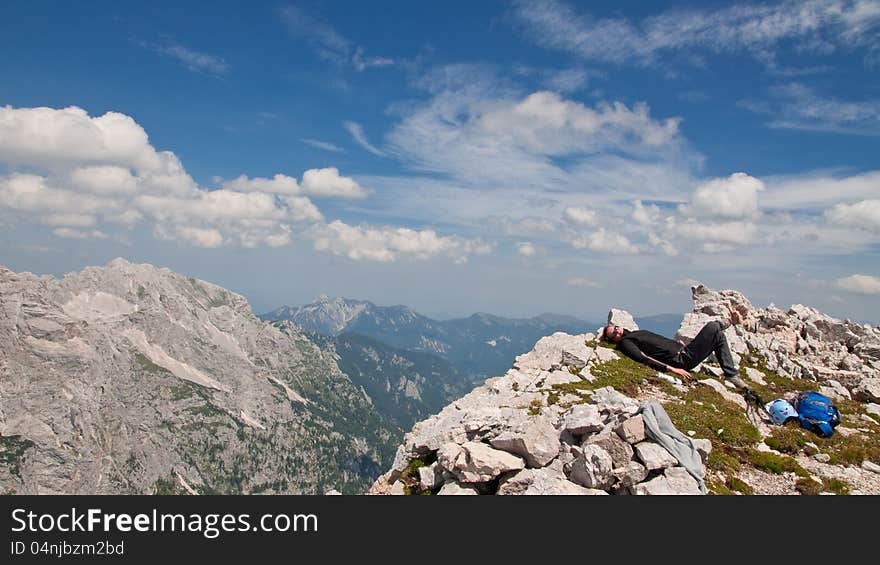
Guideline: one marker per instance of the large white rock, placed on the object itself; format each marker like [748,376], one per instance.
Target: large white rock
[582,419]
[537,442]
[613,402]
[542,481]
[674,481]
[632,430]
[476,462]
[455,489]
[868,390]
[593,468]
[622,318]
[654,455]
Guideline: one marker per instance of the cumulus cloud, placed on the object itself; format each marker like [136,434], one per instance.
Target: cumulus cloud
[665,246]
[730,233]
[386,244]
[864,214]
[603,241]
[861,284]
[327,183]
[580,216]
[734,197]
[89,171]
[484,135]
[645,215]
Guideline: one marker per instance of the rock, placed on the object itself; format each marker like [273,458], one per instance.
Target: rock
[755,376]
[613,402]
[868,390]
[632,430]
[811,448]
[572,361]
[630,474]
[541,482]
[622,318]
[620,451]
[654,456]
[455,489]
[538,443]
[704,447]
[592,468]
[835,390]
[476,462]
[722,390]
[582,419]
[398,489]
[870,466]
[674,481]
[431,477]
[822,457]
[873,408]
[332,492]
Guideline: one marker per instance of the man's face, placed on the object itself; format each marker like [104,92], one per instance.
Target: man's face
[613,333]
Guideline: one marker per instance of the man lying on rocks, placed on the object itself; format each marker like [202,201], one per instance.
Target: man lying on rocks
[664,354]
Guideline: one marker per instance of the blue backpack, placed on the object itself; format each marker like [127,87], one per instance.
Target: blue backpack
[817,413]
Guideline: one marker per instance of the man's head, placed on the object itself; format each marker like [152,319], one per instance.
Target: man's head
[612,333]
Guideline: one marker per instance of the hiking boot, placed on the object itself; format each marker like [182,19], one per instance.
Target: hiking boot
[737,381]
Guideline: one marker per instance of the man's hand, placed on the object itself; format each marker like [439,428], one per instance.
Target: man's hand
[680,372]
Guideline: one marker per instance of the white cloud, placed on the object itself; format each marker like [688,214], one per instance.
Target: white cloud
[84,172]
[526,249]
[604,242]
[864,215]
[819,190]
[814,25]
[328,182]
[325,145]
[580,216]
[357,133]
[583,283]
[191,59]
[387,244]
[485,135]
[328,43]
[325,183]
[861,284]
[104,180]
[687,282]
[734,197]
[797,106]
[666,247]
[50,138]
[737,233]
[279,184]
[645,215]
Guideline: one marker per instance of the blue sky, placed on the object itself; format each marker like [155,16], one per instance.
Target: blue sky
[511,157]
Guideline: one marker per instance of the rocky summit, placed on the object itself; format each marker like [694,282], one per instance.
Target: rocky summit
[570,416]
[130,379]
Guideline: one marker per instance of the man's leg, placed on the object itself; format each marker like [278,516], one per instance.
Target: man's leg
[711,339]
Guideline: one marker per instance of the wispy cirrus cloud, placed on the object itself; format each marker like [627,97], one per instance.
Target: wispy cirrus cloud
[196,61]
[357,133]
[818,26]
[325,145]
[328,43]
[797,106]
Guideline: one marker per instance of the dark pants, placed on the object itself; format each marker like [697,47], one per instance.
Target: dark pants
[710,340]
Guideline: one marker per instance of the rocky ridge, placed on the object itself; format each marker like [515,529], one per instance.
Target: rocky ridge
[130,379]
[552,425]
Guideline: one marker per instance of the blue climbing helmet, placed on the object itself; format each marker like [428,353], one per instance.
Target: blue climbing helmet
[780,411]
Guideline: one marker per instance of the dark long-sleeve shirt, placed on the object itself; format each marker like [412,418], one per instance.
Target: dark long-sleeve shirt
[649,348]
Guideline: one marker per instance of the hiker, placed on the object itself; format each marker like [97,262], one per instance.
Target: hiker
[664,354]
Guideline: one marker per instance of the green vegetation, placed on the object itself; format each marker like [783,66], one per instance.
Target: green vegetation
[410,476]
[12,448]
[147,365]
[167,486]
[535,407]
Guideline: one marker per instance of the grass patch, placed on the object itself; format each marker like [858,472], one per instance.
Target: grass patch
[624,375]
[772,463]
[12,448]
[147,364]
[535,407]
[167,486]
[412,483]
[843,450]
